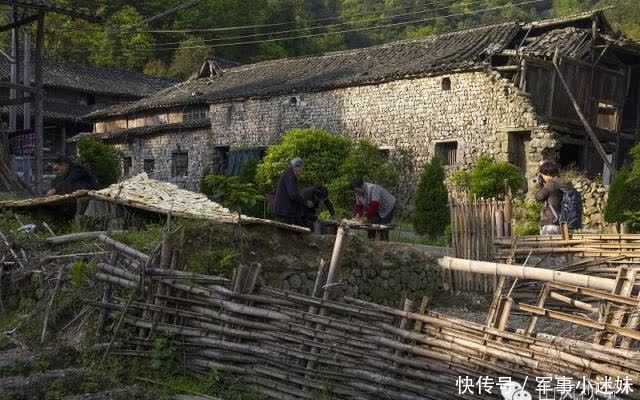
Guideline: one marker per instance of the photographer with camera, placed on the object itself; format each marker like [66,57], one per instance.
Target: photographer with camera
[558,206]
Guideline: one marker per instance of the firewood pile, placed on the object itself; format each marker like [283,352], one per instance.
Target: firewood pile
[290,345]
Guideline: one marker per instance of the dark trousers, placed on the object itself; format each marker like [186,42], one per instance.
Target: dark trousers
[377,219]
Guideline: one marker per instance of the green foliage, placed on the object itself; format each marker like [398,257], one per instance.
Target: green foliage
[79,273]
[126,50]
[431,215]
[487,178]
[188,58]
[330,159]
[218,262]
[101,159]
[364,161]
[114,44]
[527,215]
[143,240]
[164,356]
[322,152]
[236,195]
[623,204]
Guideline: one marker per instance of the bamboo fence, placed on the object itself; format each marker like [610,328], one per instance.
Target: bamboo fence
[475,224]
[290,345]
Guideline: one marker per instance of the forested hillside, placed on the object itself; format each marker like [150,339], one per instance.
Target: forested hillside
[171,37]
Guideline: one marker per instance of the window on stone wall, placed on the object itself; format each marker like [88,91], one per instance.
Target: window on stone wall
[196,114]
[179,163]
[149,166]
[446,83]
[127,164]
[448,152]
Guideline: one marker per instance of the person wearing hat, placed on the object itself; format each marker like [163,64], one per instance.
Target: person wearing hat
[317,194]
[71,177]
[289,205]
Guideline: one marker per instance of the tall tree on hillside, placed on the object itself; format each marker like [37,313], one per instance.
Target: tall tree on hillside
[188,58]
[119,47]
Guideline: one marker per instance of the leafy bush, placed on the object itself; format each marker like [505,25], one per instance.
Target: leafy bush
[364,161]
[330,159]
[322,152]
[527,215]
[487,178]
[235,195]
[101,159]
[623,204]
[431,215]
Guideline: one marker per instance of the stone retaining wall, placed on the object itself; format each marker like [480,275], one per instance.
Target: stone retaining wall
[594,200]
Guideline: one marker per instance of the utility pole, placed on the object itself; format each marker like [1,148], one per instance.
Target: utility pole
[26,81]
[14,80]
[39,101]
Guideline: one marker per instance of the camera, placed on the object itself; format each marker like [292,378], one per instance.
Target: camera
[538,180]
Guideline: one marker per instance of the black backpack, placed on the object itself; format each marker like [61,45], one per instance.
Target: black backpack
[570,209]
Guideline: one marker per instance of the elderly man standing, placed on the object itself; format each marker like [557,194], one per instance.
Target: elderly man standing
[288,204]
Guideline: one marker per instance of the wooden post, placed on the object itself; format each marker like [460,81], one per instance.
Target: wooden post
[531,326]
[583,119]
[39,103]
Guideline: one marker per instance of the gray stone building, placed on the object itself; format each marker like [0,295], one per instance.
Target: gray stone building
[489,90]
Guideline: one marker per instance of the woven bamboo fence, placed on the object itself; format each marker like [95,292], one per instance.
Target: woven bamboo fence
[475,224]
[290,345]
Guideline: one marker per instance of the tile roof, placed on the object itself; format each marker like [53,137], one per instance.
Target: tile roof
[146,130]
[95,80]
[453,51]
[570,41]
[56,111]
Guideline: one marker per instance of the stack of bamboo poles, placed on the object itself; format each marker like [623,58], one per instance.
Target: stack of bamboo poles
[289,345]
[614,324]
[475,224]
[579,245]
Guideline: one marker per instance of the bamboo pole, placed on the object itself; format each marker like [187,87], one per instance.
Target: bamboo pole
[540,274]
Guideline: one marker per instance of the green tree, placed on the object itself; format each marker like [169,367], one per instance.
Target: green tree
[188,58]
[322,152]
[487,178]
[364,161]
[101,159]
[623,204]
[119,47]
[431,215]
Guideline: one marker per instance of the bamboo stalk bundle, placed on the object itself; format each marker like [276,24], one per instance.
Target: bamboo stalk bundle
[283,344]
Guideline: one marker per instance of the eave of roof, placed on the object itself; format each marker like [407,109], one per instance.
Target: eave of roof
[95,80]
[125,134]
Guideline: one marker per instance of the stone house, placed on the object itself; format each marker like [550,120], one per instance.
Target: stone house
[71,91]
[488,90]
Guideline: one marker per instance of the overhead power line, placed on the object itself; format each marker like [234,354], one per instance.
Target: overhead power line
[312,28]
[328,33]
[244,27]
[164,13]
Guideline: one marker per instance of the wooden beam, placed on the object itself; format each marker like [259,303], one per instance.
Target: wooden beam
[15,102]
[17,86]
[19,23]
[583,119]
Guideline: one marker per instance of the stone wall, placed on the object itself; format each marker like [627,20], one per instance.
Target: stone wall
[594,200]
[160,148]
[481,111]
